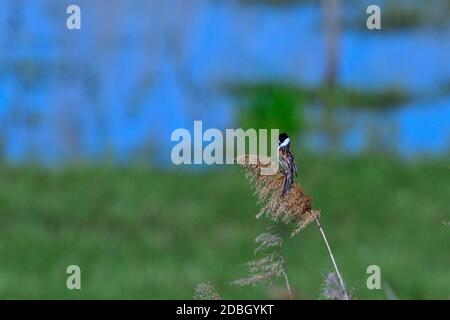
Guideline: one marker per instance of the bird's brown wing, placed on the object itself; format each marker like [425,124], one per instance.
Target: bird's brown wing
[292,162]
[289,169]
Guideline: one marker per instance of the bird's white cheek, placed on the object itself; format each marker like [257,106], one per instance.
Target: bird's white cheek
[285,143]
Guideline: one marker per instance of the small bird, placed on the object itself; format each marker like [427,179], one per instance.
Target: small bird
[287,162]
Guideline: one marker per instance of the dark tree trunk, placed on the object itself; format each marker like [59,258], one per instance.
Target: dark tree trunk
[332,35]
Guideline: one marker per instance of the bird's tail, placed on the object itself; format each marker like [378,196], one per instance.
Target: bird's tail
[287,184]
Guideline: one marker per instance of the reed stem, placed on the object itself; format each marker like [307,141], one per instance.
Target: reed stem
[288,286]
[332,259]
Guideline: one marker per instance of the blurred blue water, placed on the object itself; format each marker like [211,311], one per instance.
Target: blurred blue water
[415,128]
[139,69]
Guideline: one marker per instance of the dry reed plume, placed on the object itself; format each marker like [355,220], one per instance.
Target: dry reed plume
[294,207]
[206,291]
[270,265]
[331,288]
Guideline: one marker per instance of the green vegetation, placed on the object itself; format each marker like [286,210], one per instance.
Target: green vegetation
[146,233]
[403,15]
[396,15]
[257,95]
[263,106]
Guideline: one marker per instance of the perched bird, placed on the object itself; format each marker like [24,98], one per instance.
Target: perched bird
[287,162]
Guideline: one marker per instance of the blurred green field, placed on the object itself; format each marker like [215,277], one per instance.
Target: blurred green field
[154,234]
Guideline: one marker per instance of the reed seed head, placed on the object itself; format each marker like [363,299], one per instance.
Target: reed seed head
[331,288]
[269,265]
[206,291]
[294,207]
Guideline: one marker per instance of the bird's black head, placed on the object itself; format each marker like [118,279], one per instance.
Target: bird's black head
[283,136]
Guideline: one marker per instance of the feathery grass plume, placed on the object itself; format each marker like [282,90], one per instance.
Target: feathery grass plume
[270,265]
[294,207]
[206,291]
[331,288]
